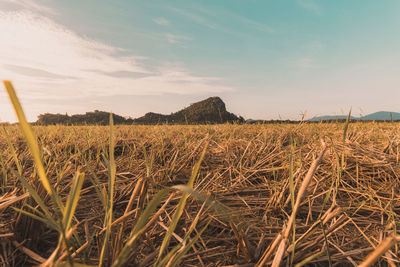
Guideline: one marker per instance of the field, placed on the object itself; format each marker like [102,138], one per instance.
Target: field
[254,200]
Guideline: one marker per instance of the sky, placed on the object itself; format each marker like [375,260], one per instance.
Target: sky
[266,59]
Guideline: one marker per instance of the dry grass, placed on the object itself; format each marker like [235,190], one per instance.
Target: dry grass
[346,209]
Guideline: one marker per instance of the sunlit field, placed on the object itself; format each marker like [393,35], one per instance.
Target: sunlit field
[199,133]
[252,195]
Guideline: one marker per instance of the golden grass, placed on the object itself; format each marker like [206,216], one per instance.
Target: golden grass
[260,195]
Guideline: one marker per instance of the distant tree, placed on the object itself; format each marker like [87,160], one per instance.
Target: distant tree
[89,118]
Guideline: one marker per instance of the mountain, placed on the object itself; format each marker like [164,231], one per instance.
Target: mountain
[332,117]
[377,116]
[209,111]
[381,116]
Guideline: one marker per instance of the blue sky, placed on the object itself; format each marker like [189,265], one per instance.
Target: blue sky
[266,59]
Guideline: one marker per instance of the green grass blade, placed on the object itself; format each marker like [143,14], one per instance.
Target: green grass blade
[36,217]
[346,127]
[327,245]
[72,200]
[94,180]
[197,167]
[111,182]
[29,136]
[37,198]
[177,215]
[13,152]
[179,209]
[185,250]
[32,144]
[67,264]
[310,258]
[217,206]
[112,170]
[35,210]
[139,227]
[176,251]
[292,198]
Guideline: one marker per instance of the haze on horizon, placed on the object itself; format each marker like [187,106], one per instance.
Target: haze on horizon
[265,59]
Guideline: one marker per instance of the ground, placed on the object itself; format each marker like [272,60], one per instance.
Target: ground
[242,193]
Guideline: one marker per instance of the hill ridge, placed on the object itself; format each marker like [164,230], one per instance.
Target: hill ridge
[377,116]
[208,111]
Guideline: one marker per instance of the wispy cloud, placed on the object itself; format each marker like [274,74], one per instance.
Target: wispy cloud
[46,59]
[256,25]
[161,21]
[174,38]
[37,73]
[310,5]
[305,63]
[201,20]
[211,19]
[252,24]
[32,5]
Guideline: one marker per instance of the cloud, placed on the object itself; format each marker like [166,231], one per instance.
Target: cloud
[124,74]
[256,25]
[174,39]
[305,63]
[47,60]
[310,5]
[32,5]
[246,21]
[209,18]
[201,20]
[35,72]
[161,21]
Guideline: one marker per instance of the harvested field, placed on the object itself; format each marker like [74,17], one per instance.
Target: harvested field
[347,209]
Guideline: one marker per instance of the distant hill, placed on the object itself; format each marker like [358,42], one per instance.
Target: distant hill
[332,117]
[377,116]
[89,118]
[252,121]
[209,111]
[381,115]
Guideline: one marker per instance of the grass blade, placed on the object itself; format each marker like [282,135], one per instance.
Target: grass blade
[13,152]
[109,204]
[139,227]
[72,200]
[37,198]
[179,209]
[183,252]
[29,136]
